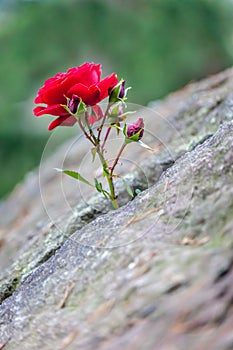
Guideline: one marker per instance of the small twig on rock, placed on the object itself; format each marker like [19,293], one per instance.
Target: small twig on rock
[2,345]
[68,290]
[69,339]
[166,186]
[193,241]
[102,242]
[141,217]
[104,308]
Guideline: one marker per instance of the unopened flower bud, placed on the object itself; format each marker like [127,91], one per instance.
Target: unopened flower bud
[117,93]
[134,129]
[122,89]
[74,104]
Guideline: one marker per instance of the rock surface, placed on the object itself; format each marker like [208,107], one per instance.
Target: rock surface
[155,274]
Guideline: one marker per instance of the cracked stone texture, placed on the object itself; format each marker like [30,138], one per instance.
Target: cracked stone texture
[155,274]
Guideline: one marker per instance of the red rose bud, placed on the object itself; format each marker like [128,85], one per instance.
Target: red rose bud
[122,89]
[135,130]
[74,104]
[117,93]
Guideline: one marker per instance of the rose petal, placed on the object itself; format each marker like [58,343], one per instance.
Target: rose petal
[98,114]
[55,93]
[53,110]
[54,89]
[90,96]
[48,84]
[88,73]
[93,95]
[78,89]
[107,83]
[63,121]
[37,111]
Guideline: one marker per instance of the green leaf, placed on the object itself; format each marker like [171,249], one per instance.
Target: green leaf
[128,188]
[67,109]
[105,194]
[133,138]
[105,172]
[116,127]
[126,92]
[81,107]
[125,130]
[142,144]
[114,96]
[75,175]
[125,115]
[115,110]
[99,187]
[93,152]
[115,118]
[113,114]
[118,130]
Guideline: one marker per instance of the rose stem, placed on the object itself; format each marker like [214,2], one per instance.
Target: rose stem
[106,137]
[103,121]
[117,159]
[109,178]
[101,157]
[85,133]
[90,129]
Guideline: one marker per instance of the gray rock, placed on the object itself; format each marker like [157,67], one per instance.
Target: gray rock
[155,274]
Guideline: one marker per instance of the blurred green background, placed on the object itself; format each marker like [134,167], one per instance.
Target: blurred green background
[156,45]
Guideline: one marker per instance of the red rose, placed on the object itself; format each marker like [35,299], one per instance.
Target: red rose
[83,82]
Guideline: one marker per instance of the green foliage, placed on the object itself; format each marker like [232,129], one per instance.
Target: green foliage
[99,188]
[128,188]
[156,45]
[75,175]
